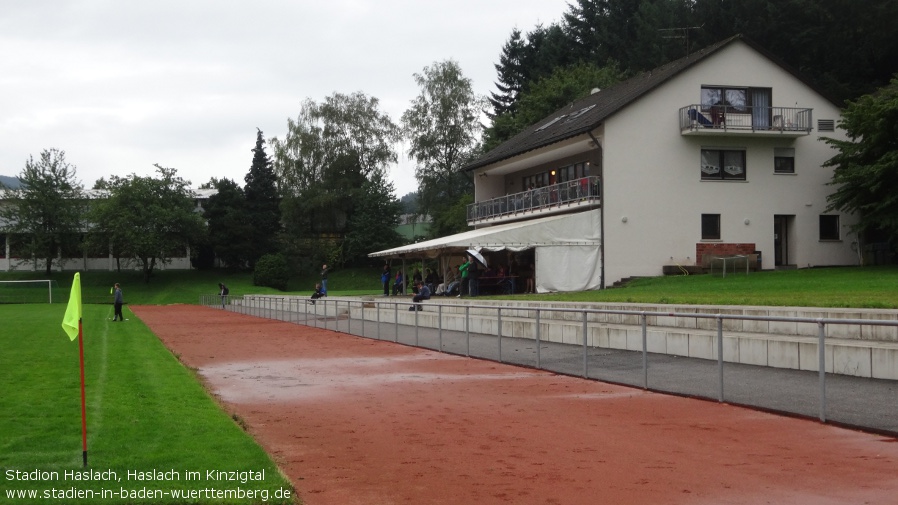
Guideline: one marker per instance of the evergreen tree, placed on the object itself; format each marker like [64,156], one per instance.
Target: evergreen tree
[511,76]
[263,214]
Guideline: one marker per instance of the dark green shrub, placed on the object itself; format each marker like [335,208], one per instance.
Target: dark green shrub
[272,271]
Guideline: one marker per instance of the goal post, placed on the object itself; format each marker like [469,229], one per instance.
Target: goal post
[32,291]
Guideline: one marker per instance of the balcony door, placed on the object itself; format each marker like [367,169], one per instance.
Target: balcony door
[760,108]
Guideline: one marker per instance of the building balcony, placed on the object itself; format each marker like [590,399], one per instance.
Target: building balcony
[582,193]
[746,120]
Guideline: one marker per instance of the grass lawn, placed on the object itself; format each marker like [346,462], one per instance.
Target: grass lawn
[861,287]
[146,412]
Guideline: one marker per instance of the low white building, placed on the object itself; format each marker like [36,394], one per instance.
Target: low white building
[76,257]
[715,154]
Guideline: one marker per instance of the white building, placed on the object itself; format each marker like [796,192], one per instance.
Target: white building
[715,154]
[77,257]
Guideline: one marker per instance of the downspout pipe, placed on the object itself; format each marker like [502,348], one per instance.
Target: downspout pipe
[602,215]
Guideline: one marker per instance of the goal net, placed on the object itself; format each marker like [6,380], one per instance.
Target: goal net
[35,291]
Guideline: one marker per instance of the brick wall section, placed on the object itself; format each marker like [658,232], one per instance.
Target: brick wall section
[720,249]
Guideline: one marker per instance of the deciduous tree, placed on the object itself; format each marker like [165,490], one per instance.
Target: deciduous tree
[47,209]
[443,128]
[331,165]
[230,232]
[149,219]
[866,168]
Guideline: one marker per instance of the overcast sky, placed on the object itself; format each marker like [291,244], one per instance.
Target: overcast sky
[121,85]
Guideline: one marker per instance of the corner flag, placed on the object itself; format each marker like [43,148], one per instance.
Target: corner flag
[73,312]
[71,323]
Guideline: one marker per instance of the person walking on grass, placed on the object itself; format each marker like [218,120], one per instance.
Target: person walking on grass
[118,301]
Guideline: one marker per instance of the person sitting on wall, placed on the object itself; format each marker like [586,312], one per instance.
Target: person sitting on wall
[319,292]
[423,294]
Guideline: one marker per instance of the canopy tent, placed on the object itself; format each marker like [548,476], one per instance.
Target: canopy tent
[567,248]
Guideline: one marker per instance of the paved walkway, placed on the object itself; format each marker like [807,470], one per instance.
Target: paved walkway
[867,404]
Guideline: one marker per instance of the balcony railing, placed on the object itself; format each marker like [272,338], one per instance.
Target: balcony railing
[756,119]
[569,193]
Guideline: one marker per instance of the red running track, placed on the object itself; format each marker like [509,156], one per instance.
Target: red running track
[357,421]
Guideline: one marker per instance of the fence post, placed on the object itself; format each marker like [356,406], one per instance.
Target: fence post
[377,307]
[416,324]
[821,357]
[440,326]
[538,360]
[645,355]
[719,358]
[499,331]
[395,322]
[585,349]
[467,331]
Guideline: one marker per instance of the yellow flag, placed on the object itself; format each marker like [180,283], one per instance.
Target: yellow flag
[73,312]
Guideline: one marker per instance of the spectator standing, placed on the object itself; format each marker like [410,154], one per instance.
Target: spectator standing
[324,271]
[385,279]
[223,293]
[463,270]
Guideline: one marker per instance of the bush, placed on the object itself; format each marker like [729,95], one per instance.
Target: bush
[272,271]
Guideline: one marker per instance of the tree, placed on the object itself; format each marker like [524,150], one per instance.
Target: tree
[443,129]
[47,209]
[866,169]
[333,158]
[511,76]
[149,219]
[372,226]
[230,232]
[565,85]
[262,212]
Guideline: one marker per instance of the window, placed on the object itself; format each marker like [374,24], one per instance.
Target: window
[829,227]
[783,160]
[710,226]
[723,164]
[732,99]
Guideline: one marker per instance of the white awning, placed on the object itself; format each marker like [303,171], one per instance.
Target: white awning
[581,228]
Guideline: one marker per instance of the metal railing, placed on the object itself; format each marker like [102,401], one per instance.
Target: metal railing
[747,118]
[584,190]
[870,404]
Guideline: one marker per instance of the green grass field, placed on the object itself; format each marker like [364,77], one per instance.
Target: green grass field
[146,412]
[862,287]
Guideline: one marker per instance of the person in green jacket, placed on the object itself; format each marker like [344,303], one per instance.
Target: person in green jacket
[463,268]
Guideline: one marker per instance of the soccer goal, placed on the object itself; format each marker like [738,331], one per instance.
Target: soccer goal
[730,265]
[35,291]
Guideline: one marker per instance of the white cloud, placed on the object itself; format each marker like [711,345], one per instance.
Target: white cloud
[123,85]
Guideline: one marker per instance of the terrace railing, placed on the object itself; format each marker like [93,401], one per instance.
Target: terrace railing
[582,191]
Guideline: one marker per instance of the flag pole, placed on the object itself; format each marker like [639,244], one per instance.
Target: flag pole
[83,406]
[71,324]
